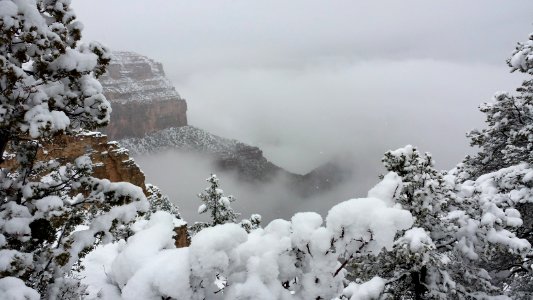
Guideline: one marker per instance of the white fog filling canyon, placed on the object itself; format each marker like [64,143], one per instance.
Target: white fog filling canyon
[301,119]
[307,84]
[182,176]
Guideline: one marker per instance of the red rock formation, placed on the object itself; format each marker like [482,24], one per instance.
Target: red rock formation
[110,161]
[182,238]
[142,98]
[136,119]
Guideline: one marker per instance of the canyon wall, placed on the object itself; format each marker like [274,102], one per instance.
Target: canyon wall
[143,99]
[109,159]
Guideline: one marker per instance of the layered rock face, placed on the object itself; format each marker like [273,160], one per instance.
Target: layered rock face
[110,160]
[142,98]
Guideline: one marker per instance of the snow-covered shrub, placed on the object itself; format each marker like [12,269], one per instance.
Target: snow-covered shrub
[298,259]
[253,223]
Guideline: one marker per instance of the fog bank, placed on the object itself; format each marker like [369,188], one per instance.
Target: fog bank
[182,176]
[300,118]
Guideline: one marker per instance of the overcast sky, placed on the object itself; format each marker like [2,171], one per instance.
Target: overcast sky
[305,80]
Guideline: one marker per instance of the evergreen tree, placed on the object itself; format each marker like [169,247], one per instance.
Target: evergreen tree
[52,212]
[47,79]
[216,204]
[219,207]
[506,147]
[159,201]
[458,230]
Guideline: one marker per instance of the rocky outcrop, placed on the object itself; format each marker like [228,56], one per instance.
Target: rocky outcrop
[137,118]
[110,160]
[143,99]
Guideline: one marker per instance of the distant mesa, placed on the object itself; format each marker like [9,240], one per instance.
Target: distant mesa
[142,97]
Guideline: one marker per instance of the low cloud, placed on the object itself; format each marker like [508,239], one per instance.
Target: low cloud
[182,176]
[301,118]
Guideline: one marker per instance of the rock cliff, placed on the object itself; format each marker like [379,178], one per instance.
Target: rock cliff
[142,97]
[110,160]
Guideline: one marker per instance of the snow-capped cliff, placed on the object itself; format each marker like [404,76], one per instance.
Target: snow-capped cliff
[132,77]
[142,97]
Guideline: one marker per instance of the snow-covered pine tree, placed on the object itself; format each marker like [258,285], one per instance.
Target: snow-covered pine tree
[448,252]
[219,207]
[48,87]
[506,147]
[47,79]
[159,201]
[415,261]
